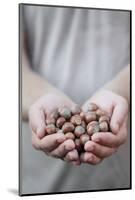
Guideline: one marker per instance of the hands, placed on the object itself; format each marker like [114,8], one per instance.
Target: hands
[106,143]
[101,146]
[55,145]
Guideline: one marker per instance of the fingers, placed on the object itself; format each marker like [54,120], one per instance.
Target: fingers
[118,116]
[106,139]
[111,140]
[51,142]
[99,150]
[63,149]
[35,141]
[90,158]
[37,121]
[72,155]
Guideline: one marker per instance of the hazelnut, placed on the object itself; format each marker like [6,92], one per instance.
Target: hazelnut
[103,126]
[100,112]
[70,135]
[78,145]
[82,115]
[92,128]
[60,121]
[65,112]
[96,128]
[104,118]
[50,128]
[92,123]
[92,107]
[83,124]
[60,131]
[79,130]
[68,127]
[90,116]
[76,120]
[84,138]
[75,109]
[54,114]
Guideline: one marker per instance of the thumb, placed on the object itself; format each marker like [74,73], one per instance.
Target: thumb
[37,121]
[41,131]
[119,114]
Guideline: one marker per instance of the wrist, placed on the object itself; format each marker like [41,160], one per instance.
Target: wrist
[117,90]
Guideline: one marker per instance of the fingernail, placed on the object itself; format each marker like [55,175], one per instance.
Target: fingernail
[40,133]
[91,148]
[95,139]
[90,159]
[67,147]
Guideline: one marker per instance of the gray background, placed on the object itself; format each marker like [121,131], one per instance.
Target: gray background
[78,51]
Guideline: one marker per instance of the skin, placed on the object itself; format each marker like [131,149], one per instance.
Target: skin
[104,144]
[55,145]
[44,98]
[39,102]
[114,99]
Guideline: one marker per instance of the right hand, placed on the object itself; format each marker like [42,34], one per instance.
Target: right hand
[55,145]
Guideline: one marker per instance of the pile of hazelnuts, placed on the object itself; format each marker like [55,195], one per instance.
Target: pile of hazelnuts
[78,125]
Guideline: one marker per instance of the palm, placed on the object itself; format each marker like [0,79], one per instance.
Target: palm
[106,143]
[56,144]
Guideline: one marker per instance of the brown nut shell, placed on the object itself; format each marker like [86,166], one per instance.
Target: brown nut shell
[75,109]
[60,121]
[60,131]
[83,124]
[100,113]
[64,112]
[79,130]
[90,116]
[96,129]
[84,138]
[93,128]
[68,127]
[90,130]
[82,115]
[104,118]
[92,107]
[50,128]
[76,120]
[78,145]
[92,123]
[54,114]
[70,135]
[103,126]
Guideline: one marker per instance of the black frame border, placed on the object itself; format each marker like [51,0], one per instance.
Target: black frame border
[20,100]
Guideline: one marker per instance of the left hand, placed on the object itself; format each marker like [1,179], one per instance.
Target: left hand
[104,144]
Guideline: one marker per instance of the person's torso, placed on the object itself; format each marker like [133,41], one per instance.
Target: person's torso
[77,50]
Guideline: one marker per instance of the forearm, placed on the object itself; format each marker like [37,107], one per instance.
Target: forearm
[33,87]
[121,83]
